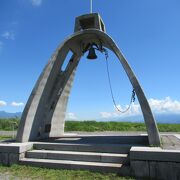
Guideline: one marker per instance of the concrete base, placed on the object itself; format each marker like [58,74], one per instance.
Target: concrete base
[94,153]
[126,155]
[155,163]
[11,153]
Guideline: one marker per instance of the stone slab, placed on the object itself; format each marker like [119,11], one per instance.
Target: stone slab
[77,165]
[177,135]
[78,156]
[15,147]
[156,170]
[165,171]
[154,154]
[4,158]
[106,148]
[140,169]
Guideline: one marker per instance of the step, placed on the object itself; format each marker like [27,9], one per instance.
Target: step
[78,156]
[105,148]
[100,139]
[77,165]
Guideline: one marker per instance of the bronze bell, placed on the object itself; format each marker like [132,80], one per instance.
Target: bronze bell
[92,53]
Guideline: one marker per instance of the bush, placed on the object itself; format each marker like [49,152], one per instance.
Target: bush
[8,124]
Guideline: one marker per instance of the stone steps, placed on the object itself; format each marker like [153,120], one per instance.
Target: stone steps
[78,153]
[104,148]
[79,156]
[94,157]
[77,165]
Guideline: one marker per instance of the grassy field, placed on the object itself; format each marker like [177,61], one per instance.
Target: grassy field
[5,137]
[91,126]
[28,172]
[9,124]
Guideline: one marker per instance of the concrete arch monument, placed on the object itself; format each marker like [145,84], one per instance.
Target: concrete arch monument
[44,113]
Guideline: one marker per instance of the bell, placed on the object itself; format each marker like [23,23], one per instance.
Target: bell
[92,54]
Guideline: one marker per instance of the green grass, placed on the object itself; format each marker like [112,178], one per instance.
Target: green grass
[169,127]
[51,174]
[91,126]
[5,137]
[9,124]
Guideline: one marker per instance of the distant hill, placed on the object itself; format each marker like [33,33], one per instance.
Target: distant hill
[4,114]
[168,118]
[160,118]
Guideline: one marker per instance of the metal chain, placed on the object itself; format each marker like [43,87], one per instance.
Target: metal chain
[110,86]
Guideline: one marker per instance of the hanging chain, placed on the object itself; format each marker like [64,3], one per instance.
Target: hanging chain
[110,86]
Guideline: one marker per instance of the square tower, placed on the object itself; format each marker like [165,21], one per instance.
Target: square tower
[89,21]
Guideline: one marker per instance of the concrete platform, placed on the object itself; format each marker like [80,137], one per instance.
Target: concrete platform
[104,148]
[11,153]
[96,153]
[104,138]
[124,154]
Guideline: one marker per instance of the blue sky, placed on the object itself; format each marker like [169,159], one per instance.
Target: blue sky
[147,32]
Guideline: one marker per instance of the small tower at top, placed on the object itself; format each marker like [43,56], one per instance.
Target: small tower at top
[89,21]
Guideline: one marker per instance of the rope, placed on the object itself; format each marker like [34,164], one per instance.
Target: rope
[111,90]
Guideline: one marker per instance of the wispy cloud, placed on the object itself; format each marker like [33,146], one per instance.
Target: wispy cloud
[10,35]
[3,103]
[36,2]
[166,105]
[17,104]
[160,106]
[71,116]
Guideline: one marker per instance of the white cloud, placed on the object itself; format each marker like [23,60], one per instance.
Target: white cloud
[17,104]
[71,116]
[3,103]
[8,35]
[36,2]
[106,114]
[166,105]
[134,110]
[109,114]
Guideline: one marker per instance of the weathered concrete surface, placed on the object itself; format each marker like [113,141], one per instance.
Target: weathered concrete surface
[155,163]
[95,153]
[44,112]
[107,148]
[79,156]
[140,168]
[77,165]
[85,22]
[155,170]
[98,153]
[154,154]
[101,139]
[15,147]
[170,141]
[11,153]
[166,171]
